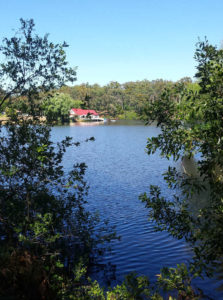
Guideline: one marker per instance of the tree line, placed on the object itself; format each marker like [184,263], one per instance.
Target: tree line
[114,100]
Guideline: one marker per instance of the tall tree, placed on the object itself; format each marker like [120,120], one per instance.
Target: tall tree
[44,228]
[191,123]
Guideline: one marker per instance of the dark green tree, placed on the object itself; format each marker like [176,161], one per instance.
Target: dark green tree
[46,232]
[191,123]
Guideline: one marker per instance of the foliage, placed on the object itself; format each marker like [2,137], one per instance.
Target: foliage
[46,232]
[31,64]
[129,115]
[133,287]
[57,107]
[173,284]
[178,279]
[191,123]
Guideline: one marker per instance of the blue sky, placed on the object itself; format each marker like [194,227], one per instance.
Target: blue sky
[122,40]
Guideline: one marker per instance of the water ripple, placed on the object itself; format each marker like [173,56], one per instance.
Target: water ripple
[118,172]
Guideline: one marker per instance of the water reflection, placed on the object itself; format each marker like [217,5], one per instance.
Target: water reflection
[86,124]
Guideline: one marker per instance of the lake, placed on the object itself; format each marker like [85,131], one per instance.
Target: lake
[119,170]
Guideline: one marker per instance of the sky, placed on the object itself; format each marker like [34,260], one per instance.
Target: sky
[122,40]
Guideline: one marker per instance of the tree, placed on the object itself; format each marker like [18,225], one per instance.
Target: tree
[57,107]
[31,65]
[191,123]
[47,236]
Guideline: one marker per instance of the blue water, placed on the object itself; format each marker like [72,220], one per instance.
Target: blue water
[119,170]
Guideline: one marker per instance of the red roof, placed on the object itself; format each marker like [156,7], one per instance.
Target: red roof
[80,112]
